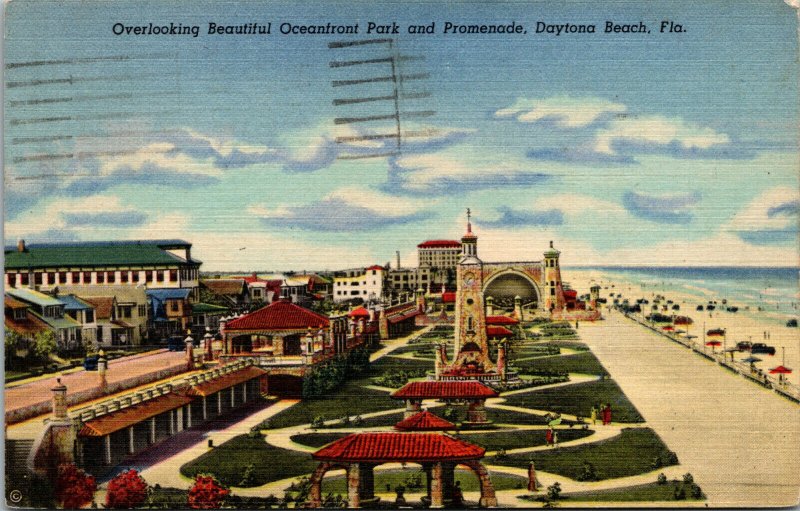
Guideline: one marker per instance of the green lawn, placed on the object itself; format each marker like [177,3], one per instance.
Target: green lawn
[631,453]
[394,478]
[578,399]
[585,363]
[351,398]
[512,417]
[228,461]
[650,492]
[508,440]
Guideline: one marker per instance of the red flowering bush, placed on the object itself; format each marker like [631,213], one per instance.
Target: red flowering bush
[207,493]
[74,487]
[126,491]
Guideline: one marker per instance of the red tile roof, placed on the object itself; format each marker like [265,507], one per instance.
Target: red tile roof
[495,331]
[424,421]
[395,446]
[225,286]
[570,293]
[402,317]
[13,303]
[207,388]
[501,320]
[376,267]
[360,312]
[281,315]
[103,305]
[449,297]
[126,417]
[444,390]
[440,244]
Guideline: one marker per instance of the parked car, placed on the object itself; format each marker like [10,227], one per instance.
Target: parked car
[762,348]
[90,363]
[792,323]
[744,346]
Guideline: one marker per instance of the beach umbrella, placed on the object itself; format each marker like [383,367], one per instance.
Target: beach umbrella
[713,343]
[683,320]
[751,360]
[780,370]
[667,328]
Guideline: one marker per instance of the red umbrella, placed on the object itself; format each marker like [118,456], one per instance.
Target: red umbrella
[780,370]
[667,328]
[713,343]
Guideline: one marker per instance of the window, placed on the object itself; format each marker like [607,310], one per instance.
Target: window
[173,275]
[37,279]
[142,310]
[552,291]
[23,279]
[124,311]
[112,277]
[174,305]
[123,277]
[89,316]
[51,278]
[148,276]
[159,276]
[62,277]
[354,292]
[101,277]
[373,272]
[135,276]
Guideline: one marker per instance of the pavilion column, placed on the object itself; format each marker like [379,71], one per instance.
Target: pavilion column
[353,477]
[233,396]
[189,416]
[179,419]
[172,422]
[205,408]
[152,430]
[476,412]
[413,407]
[107,442]
[219,402]
[244,391]
[437,496]
[131,445]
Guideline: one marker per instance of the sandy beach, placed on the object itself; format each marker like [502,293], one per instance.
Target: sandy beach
[752,325]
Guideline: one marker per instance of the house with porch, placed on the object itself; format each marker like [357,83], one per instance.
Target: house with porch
[50,311]
[170,312]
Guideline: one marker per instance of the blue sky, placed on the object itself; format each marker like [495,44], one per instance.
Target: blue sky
[642,149]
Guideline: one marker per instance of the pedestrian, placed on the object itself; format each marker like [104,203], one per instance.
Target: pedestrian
[458,495]
[608,414]
[594,414]
[555,439]
[548,436]
[532,478]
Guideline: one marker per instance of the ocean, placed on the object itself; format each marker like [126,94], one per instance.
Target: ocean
[775,290]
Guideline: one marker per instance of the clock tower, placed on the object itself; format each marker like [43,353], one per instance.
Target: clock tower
[471,345]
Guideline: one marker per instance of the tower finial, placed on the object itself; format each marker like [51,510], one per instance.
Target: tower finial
[469,224]
[551,243]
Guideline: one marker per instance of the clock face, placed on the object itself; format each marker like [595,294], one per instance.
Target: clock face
[469,279]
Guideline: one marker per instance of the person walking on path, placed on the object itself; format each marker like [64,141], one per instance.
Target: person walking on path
[594,415]
[548,436]
[555,438]
[532,486]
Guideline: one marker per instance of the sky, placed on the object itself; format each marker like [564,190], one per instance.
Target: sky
[646,149]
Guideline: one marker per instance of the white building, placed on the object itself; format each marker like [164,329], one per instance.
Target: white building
[366,284]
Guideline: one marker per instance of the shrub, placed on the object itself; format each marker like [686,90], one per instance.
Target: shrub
[554,491]
[74,487]
[126,491]
[207,493]
[662,479]
[248,476]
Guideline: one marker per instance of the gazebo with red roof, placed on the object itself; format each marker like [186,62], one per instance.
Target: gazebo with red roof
[471,391]
[280,329]
[438,453]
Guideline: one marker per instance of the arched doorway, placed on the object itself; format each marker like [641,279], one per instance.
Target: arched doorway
[505,286]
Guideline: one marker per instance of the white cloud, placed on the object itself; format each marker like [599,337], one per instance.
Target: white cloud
[656,130]
[386,205]
[565,111]
[577,204]
[762,213]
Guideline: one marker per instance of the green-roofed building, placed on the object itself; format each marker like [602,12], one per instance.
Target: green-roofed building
[154,264]
[50,311]
[207,316]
